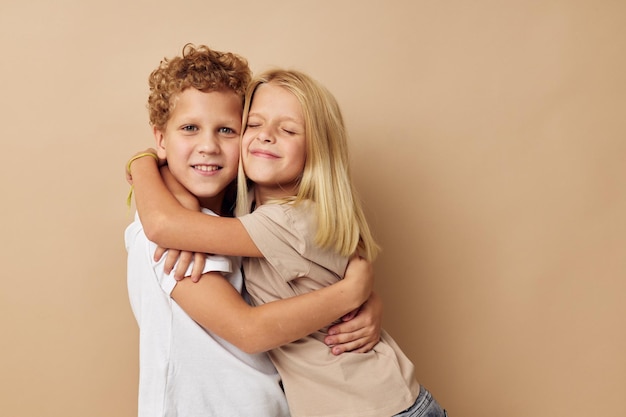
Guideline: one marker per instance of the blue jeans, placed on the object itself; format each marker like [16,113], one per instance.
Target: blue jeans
[424,406]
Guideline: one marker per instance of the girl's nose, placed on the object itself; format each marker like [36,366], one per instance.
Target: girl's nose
[265,135]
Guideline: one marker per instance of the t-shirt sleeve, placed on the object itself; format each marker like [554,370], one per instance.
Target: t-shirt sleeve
[285,236]
[274,233]
[213,263]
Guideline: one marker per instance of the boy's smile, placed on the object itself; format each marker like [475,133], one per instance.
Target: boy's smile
[201,143]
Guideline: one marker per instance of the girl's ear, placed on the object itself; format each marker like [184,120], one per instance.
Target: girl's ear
[159,138]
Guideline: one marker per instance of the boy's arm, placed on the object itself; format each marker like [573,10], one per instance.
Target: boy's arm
[215,304]
[170,225]
[360,333]
[364,319]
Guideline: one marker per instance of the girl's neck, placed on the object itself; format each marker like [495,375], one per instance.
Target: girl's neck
[263,194]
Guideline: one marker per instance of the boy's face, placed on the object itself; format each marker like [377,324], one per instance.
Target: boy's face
[201,143]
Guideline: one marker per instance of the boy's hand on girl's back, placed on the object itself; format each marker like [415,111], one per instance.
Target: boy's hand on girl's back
[359,332]
[360,329]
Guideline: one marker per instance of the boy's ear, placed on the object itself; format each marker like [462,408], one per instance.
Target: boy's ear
[159,138]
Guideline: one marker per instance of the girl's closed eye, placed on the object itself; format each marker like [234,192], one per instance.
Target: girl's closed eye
[253,121]
[291,130]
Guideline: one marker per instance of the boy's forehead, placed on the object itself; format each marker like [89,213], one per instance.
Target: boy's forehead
[225,91]
[193,102]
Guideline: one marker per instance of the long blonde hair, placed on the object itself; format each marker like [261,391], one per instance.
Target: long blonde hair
[326,178]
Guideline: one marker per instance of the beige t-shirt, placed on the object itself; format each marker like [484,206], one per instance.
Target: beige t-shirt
[317,383]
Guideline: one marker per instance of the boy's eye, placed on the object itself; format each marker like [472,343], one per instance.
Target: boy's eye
[190,128]
[227,130]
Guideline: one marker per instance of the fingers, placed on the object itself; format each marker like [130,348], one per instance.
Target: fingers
[365,348]
[359,322]
[354,345]
[359,335]
[170,260]
[158,253]
[342,338]
[345,347]
[180,260]
[198,266]
[184,260]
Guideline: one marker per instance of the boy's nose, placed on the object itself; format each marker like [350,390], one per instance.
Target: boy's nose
[209,144]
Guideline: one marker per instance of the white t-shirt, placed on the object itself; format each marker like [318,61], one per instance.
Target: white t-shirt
[185,370]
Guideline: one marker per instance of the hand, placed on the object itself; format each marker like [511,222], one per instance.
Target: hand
[359,331]
[181,260]
[148,152]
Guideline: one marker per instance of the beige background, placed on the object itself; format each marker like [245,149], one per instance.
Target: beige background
[488,140]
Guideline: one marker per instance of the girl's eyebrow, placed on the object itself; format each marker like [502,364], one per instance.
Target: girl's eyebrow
[287,118]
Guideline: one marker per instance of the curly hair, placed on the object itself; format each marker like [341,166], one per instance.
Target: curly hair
[199,67]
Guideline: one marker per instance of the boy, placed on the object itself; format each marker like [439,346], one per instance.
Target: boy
[195,107]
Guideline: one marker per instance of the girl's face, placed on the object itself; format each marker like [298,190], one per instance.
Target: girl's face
[201,143]
[274,142]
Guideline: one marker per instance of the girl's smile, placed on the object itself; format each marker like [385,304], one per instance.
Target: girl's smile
[263,154]
[274,142]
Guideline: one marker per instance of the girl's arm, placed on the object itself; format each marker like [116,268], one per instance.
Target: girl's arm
[174,257]
[170,225]
[184,197]
[366,327]
[215,304]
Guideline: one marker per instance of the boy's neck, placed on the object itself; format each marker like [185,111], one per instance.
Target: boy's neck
[212,203]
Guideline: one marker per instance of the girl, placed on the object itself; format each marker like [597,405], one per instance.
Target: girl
[298,227]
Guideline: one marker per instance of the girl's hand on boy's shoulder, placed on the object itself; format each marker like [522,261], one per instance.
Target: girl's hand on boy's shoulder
[179,261]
